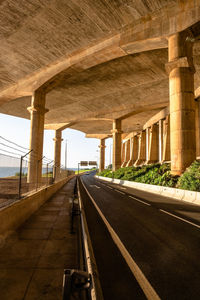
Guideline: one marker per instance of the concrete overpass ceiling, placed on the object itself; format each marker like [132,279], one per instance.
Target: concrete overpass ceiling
[52,44]
[34,33]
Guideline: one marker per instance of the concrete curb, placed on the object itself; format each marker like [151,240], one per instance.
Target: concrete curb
[178,194]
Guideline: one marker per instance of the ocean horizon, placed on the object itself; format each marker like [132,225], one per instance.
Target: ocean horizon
[11,171]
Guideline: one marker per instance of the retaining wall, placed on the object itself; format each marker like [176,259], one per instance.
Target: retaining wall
[11,217]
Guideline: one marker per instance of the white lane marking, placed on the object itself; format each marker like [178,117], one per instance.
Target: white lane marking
[94,185]
[109,187]
[120,192]
[184,220]
[140,201]
[140,277]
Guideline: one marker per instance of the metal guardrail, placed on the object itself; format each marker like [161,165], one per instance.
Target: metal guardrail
[82,284]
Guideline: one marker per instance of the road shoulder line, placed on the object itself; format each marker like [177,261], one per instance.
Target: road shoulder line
[184,220]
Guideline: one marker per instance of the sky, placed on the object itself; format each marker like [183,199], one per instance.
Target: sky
[79,148]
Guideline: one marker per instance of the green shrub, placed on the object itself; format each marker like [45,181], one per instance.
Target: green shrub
[152,174]
[190,180]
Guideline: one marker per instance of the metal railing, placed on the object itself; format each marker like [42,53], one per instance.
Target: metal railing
[14,183]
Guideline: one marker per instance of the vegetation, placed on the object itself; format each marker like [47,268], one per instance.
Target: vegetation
[152,174]
[159,175]
[190,180]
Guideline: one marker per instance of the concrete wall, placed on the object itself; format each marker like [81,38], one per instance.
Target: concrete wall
[17,213]
[178,194]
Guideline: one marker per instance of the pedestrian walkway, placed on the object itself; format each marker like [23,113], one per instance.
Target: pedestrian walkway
[32,260]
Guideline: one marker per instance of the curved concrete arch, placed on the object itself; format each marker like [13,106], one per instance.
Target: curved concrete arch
[134,38]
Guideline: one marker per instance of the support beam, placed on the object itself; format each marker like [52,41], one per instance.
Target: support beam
[102,155]
[37,111]
[116,144]
[141,149]
[182,106]
[57,154]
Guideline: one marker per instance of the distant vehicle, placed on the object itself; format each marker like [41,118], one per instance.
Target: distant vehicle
[87,173]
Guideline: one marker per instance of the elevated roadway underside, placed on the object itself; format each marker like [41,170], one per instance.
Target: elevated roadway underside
[95,60]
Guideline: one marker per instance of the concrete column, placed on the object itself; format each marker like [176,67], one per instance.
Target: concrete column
[135,148]
[141,149]
[160,124]
[123,153]
[126,154]
[130,162]
[37,111]
[153,154]
[182,107]
[147,144]
[57,154]
[102,155]
[116,144]
[197,121]
[128,151]
[166,140]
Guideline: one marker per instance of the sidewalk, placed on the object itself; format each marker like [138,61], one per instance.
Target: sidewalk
[32,260]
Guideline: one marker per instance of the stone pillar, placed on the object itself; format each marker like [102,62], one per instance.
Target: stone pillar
[123,153]
[182,107]
[57,154]
[102,155]
[130,162]
[160,124]
[153,154]
[141,149]
[197,121]
[128,151]
[147,144]
[37,111]
[126,154]
[116,144]
[135,149]
[166,140]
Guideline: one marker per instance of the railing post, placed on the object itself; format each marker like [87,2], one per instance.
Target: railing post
[20,176]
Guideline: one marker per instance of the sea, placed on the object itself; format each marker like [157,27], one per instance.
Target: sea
[11,171]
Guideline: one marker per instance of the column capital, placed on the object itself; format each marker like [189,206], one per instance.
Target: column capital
[57,139]
[182,62]
[38,109]
[116,131]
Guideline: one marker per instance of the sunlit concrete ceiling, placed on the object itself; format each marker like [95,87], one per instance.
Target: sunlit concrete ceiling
[97,60]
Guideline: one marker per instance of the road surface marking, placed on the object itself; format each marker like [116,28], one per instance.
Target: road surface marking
[140,201]
[94,185]
[140,277]
[120,192]
[184,220]
[109,187]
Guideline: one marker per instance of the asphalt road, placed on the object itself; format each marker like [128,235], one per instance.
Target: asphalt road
[161,235]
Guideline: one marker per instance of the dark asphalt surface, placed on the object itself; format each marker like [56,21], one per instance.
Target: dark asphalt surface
[165,248]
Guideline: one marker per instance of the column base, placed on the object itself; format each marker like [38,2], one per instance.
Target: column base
[139,162]
[148,162]
[129,163]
